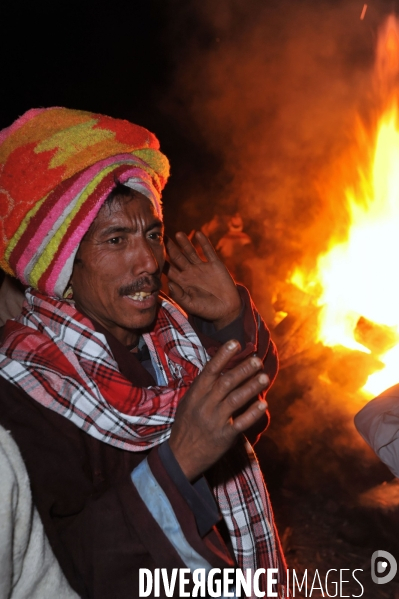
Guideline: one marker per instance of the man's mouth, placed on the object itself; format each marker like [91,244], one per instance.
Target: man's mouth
[141,289]
[140,296]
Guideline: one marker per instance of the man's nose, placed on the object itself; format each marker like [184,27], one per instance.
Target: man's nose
[144,259]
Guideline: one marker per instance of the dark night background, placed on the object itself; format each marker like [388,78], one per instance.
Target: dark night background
[114,57]
[153,62]
[253,102]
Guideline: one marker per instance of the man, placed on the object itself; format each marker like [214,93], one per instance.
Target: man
[119,404]
[236,250]
[28,567]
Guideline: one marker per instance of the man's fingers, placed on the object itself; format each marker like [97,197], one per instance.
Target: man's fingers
[187,248]
[234,378]
[240,396]
[176,257]
[206,246]
[174,274]
[218,363]
[176,292]
[249,417]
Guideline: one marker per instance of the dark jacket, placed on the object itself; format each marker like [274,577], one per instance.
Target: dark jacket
[98,526]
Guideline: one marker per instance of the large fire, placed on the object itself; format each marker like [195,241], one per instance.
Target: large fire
[357,281]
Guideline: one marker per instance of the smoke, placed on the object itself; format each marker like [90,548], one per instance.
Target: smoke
[314,425]
[272,91]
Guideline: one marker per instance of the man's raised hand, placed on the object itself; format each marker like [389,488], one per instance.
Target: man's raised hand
[202,288]
[206,423]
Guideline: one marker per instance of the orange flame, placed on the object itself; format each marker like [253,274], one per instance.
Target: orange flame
[359,277]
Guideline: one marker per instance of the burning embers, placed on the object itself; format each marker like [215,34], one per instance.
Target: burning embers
[356,282]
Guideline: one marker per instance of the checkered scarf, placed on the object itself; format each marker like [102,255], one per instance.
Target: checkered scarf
[54,354]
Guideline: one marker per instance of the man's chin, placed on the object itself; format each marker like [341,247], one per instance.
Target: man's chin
[142,318]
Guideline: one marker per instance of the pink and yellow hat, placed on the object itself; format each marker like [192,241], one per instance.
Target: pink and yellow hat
[57,166]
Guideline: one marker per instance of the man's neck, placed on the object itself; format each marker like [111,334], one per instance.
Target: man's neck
[127,337]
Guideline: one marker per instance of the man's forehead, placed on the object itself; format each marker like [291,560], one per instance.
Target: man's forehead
[125,208]
[121,200]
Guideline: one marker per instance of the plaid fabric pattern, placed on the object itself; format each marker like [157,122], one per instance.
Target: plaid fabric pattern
[53,353]
[252,530]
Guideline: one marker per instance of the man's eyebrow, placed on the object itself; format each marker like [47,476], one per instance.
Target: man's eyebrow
[156,224]
[113,229]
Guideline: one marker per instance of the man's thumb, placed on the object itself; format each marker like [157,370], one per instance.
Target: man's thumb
[176,292]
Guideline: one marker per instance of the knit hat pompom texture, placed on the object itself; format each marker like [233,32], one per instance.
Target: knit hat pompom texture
[57,166]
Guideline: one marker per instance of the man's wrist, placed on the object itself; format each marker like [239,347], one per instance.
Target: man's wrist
[236,306]
[223,322]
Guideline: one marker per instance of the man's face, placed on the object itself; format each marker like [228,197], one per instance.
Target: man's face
[117,272]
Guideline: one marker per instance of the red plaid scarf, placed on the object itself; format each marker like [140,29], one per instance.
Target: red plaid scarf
[54,354]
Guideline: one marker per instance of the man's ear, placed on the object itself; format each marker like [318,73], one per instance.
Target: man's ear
[68,293]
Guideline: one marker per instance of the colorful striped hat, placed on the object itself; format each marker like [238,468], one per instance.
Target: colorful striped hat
[57,166]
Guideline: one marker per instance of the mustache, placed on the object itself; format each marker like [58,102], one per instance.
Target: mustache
[153,282]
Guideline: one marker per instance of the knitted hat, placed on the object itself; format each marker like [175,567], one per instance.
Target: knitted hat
[57,166]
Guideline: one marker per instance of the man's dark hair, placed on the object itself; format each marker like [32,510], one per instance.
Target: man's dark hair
[120,190]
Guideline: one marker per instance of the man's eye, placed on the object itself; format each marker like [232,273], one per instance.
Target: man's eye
[156,236]
[114,240]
